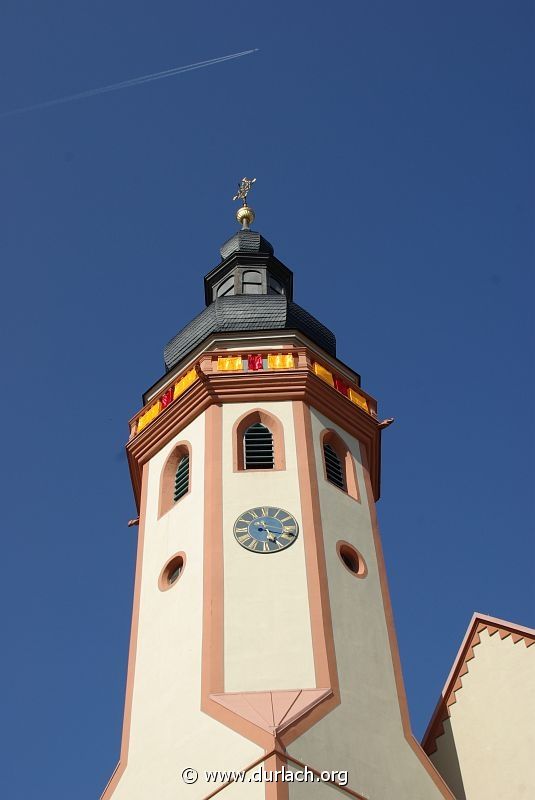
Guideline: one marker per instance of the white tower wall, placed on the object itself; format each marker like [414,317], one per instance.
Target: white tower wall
[167,730]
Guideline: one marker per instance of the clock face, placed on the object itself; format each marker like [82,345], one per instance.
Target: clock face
[266,529]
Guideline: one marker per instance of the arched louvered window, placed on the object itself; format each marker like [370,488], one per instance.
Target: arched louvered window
[339,464]
[175,480]
[181,478]
[258,447]
[333,467]
[258,441]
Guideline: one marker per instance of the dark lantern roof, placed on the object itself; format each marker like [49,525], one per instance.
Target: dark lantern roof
[249,290]
[245,241]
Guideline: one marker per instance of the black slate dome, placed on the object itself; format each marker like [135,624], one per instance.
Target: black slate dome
[247,313]
[249,290]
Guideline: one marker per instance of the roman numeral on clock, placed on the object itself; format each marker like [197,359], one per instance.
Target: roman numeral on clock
[265,529]
[288,528]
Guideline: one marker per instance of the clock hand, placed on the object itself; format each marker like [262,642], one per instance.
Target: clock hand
[288,533]
[271,535]
[278,533]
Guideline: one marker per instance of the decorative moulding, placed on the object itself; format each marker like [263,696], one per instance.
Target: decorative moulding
[272,711]
[257,387]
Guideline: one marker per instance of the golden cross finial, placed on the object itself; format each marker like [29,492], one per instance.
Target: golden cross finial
[244,187]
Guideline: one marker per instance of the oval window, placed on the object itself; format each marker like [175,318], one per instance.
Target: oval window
[352,559]
[171,572]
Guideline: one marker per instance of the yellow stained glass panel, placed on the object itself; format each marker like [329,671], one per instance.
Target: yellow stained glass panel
[149,415]
[280,361]
[358,399]
[324,374]
[229,363]
[184,383]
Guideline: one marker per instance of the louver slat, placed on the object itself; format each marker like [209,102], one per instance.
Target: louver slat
[333,467]
[258,447]
[181,478]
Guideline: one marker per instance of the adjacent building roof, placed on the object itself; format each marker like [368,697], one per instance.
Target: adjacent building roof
[479,622]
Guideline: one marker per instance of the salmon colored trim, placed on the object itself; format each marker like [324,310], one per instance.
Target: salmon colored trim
[466,653]
[277,790]
[163,584]
[246,769]
[275,427]
[343,789]
[363,568]
[212,672]
[275,710]
[394,652]
[325,666]
[125,739]
[279,759]
[318,589]
[167,478]
[343,452]
[213,388]
[164,428]
[212,676]
[212,668]
[206,360]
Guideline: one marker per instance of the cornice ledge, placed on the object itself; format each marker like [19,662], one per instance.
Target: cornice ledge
[220,388]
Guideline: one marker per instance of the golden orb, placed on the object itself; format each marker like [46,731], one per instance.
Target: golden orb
[245,215]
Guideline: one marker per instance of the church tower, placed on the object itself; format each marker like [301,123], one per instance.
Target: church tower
[262,635]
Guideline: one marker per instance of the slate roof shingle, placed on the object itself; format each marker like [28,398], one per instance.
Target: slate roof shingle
[247,313]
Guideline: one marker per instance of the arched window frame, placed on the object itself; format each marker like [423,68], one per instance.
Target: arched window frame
[347,461]
[277,431]
[229,286]
[167,478]
[251,281]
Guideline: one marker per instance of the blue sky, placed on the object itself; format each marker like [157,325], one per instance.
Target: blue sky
[393,146]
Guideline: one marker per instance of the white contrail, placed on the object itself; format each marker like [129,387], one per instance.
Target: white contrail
[112,87]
